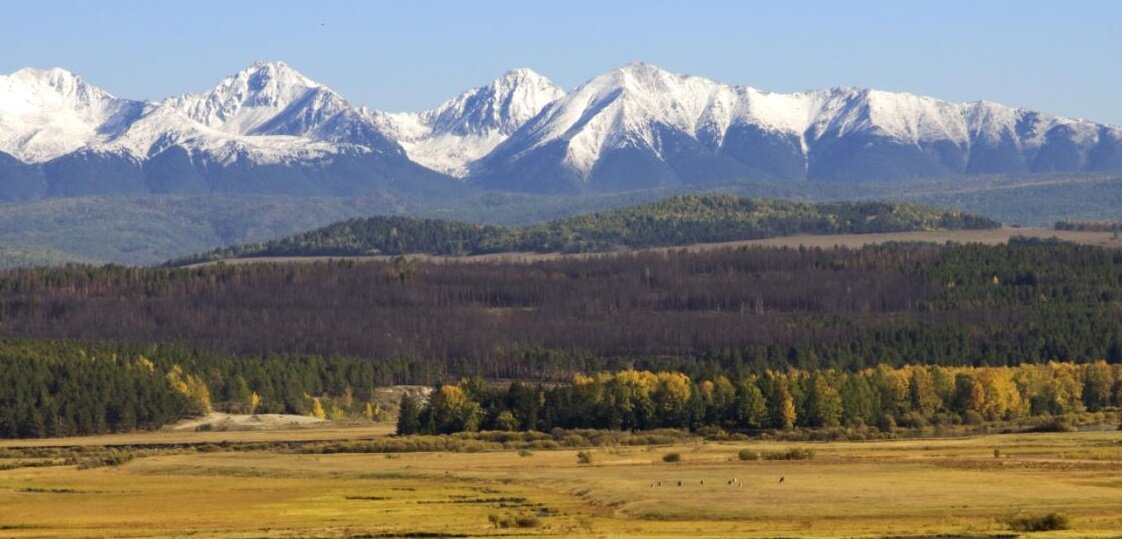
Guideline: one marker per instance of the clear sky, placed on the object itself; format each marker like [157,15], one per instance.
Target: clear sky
[1063,57]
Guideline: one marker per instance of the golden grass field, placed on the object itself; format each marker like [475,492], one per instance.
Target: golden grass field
[914,488]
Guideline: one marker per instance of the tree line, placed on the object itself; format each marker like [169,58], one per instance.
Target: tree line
[1089,226]
[680,220]
[61,388]
[911,396]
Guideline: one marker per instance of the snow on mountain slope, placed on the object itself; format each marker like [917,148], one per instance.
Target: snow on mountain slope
[244,102]
[677,124]
[465,128]
[632,128]
[269,113]
[48,113]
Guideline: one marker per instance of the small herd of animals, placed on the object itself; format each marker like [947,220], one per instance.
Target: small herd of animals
[733,482]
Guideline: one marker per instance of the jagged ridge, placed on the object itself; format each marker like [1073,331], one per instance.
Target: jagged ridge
[270,129]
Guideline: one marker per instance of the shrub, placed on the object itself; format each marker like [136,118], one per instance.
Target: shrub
[712,432]
[584,457]
[1040,523]
[672,457]
[796,453]
[525,453]
[500,520]
[1055,424]
[973,418]
[527,522]
[112,458]
[748,454]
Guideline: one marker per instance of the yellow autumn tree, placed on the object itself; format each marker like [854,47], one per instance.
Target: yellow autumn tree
[317,409]
[192,388]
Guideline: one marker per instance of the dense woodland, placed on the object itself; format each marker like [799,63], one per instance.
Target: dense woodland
[58,388]
[724,309]
[297,332]
[913,396]
[681,220]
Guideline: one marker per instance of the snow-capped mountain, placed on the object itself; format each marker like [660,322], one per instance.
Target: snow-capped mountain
[266,129]
[640,126]
[451,136]
[48,113]
[270,129]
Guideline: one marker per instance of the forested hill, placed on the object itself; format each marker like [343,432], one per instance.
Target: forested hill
[680,220]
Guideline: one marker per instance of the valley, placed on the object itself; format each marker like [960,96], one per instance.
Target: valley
[822,270]
[901,488]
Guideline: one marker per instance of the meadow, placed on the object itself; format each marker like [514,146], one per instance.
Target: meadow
[950,487]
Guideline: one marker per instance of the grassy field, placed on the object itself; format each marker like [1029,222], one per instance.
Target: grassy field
[914,488]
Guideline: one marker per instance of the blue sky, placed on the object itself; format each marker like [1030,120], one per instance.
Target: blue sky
[1061,57]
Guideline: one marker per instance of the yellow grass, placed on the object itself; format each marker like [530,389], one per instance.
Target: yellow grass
[326,432]
[949,487]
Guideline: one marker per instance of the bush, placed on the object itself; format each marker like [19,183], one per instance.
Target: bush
[112,458]
[527,522]
[1055,424]
[1040,523]
[584,457]
[973,418]
[748,454]
[500,520]
[712,432]
[525,453]
[913,420]
[796,453]
[672,457]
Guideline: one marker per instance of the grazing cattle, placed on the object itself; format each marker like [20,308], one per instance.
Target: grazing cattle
[679,483]
[781,479]
[702,482]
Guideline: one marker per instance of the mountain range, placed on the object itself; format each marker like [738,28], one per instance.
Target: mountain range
[270,130]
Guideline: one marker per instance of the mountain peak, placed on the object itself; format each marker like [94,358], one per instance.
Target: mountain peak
[57,80]
[645,70]
[247,99]
[463,129]
[521,73]
[35,73]
[278,71]
[45,113]
[267,81]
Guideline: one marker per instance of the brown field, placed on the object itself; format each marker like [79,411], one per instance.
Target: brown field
[852,241]
[913,488]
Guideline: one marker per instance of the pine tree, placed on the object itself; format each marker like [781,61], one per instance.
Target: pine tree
[408,417]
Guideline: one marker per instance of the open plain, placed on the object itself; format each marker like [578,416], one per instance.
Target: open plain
[950,487]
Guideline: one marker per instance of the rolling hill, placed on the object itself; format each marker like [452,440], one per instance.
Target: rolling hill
[680,220]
